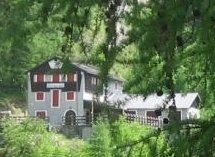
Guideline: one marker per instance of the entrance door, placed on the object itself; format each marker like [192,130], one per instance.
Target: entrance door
[70,118]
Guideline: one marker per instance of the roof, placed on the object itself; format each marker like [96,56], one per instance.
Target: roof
[93,70]
[45,63]
[153,101]
[86,68]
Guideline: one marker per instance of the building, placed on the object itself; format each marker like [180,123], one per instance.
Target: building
[63,92]
[187,105]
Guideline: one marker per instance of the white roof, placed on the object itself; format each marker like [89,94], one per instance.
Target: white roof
[153,101]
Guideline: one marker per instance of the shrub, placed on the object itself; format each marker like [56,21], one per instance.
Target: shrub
[99,143]
[136,140]
[30,138]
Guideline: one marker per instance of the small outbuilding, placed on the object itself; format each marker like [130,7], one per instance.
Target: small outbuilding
[187,105]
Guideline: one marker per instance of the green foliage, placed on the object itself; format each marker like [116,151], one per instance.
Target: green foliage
[133,139]
[187,138]
[77,147]
[100,142]
[30,138]
[169,45]
[122,139]
[191,138]
[177,33]
[19,34]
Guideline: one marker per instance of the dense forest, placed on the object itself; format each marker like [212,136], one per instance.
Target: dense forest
[155,45]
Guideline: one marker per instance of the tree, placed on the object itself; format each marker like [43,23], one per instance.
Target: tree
[19,29]
[174,46]
[172,41]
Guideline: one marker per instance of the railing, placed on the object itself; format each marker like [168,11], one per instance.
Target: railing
[76,120]
[152,121]
[81,120]
[69,120]
[89,120]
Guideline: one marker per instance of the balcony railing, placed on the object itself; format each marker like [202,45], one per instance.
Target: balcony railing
[81,120]
[76,120]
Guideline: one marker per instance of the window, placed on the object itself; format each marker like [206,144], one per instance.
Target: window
[130,112]
[116,85]
[40,96]
[152,118]
[41,114]
[63,77]
[39,78]
[177,116]
[48,78]
[70,96]
[130,115]
[55,98]
[151,114]
[35,78]
[93,80]
[75,77]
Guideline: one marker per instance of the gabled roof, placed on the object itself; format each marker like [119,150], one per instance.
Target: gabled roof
[183,101]
[87,68]
[93,70]
[43,64]
[44,67]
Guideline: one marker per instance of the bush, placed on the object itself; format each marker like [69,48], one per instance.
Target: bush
[121,139]
[99,143]
[31,139]
[123,135]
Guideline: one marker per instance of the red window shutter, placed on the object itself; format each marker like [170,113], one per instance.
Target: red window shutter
[56,78]
[70,95]
[40,77]
[70,77]
[55,98]
[41,114]
[39,96]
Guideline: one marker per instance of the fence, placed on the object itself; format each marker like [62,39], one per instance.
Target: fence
[152,121]
[66,120]
[20,118]
[89,120]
